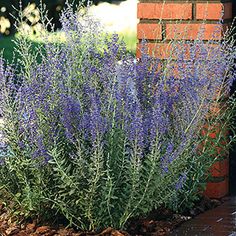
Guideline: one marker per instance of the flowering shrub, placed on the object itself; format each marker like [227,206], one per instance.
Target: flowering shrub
[97,137]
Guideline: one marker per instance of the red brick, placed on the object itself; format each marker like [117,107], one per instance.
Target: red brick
[217,190]
[213,11]
[193,31]
[220,168]
[149,31]
[217,108]
[163,50]
[158,50]
[165,11]
[215,129]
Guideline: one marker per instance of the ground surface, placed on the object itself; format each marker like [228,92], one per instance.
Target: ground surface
[220,221]
[158,223]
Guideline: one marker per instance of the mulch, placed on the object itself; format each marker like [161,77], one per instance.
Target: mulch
[158,223]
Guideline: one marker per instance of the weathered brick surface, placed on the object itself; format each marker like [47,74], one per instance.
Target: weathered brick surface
[217,190]
[159,50]
[213,11]
[193,31]
[220,168]
[149,31]
[165,11]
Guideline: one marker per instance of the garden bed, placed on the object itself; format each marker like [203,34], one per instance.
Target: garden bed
[96,139]
[159,222]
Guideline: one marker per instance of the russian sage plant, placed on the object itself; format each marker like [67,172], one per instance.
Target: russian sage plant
[98,137]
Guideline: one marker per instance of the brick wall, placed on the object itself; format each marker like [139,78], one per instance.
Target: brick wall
[161,20]
[164,20]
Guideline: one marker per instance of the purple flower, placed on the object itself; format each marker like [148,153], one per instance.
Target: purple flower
[71,116]
[98,124]
[167,158]
[181,181]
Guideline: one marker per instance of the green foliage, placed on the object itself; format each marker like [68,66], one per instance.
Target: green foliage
[83,162]
[7,45]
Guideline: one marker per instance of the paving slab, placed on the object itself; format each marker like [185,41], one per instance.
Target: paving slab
[220,221]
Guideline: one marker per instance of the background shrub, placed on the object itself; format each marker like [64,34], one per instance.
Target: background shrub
[8,12]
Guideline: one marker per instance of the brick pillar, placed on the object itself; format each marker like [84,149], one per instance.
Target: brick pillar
[160,22]
[218,185]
